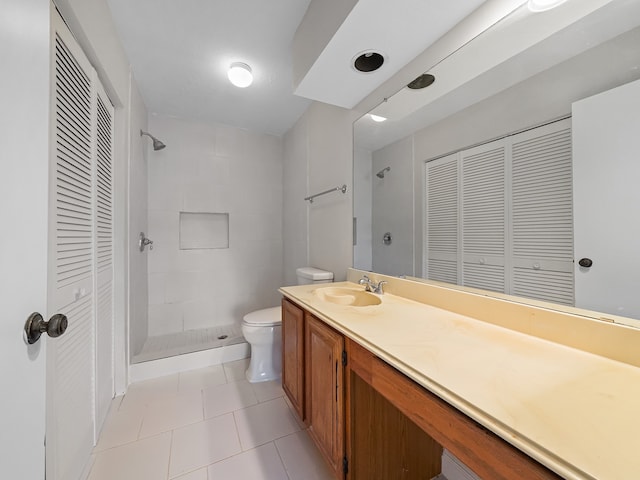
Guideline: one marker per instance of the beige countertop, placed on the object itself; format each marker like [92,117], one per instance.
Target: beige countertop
[575,412]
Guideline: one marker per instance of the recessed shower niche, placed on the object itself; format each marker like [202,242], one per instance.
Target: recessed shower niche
[204,230]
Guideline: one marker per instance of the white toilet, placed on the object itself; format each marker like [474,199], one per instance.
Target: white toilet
[263,331]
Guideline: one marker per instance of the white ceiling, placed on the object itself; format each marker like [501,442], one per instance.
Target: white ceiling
[397,30]
[180,51]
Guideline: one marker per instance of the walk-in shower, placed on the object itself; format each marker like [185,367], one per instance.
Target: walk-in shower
[217,243]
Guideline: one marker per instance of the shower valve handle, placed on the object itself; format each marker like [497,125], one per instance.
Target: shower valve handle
[143,241]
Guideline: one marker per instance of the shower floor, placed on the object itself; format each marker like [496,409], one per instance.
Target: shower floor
[172,344]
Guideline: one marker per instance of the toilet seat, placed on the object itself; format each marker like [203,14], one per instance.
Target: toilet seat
[267,317]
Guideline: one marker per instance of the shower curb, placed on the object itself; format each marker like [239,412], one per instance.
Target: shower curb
[188,361]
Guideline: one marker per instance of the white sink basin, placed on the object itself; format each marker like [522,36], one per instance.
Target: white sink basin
[347,296]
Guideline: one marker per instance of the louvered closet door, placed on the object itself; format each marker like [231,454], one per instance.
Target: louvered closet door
[103,213]
[483,216]
[70,359]
[441,220]
[542,214]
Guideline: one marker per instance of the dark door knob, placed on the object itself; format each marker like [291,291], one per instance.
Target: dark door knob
[36,326]
[585,262]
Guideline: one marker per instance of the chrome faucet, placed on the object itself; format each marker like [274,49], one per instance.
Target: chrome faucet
[370,286]
[378,288]
[366,281]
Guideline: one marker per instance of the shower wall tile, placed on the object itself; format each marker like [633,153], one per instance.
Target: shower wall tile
[199,313]
[163,224]
[215,169]
[165,318]
[164,258]
[266,147]
[163,194]
[230,141]
[182,286]
[199,196]
[156,288]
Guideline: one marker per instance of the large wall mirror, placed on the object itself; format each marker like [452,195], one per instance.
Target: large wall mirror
[578,63]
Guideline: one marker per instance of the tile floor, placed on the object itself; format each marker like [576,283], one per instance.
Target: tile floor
[206,424]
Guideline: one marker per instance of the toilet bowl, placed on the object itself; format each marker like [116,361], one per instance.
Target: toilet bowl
[262,329]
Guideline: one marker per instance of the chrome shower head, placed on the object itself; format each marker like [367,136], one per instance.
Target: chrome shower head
[157,144]
[380,174]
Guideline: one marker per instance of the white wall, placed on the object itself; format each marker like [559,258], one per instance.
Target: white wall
[295,223]
[330,165]
[393,209]
[319,154]
[362,202]
[217,169]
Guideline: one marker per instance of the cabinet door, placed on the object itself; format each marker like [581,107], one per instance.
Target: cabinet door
[293,355]
[325,394]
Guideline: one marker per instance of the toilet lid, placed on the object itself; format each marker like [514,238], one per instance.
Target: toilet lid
[264,317]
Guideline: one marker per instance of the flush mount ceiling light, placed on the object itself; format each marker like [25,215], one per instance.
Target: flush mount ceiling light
[368,62]
[543,5]
[377,118]
[240,74]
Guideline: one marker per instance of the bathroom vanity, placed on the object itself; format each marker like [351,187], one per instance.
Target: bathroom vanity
[514,391]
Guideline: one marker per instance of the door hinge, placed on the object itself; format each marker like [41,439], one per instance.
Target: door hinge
[345,465]
[344,358]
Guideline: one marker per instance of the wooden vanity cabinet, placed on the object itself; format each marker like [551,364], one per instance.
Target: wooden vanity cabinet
[383,443]
[378,393]
[312,378]
[324,381]
[371,422]
[293,355]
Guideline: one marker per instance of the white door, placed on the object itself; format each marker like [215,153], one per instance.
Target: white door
[77,138]
[606,149]
[24,135]
[103,253]
[484,204]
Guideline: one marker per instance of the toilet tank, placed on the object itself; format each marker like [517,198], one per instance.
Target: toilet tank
[308,275]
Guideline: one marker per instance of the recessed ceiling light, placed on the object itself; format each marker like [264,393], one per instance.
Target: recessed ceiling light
[377,118]
[368,62]
[543,5]
[423,81]
[240,74]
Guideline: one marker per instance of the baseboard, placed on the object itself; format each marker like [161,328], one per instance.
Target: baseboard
[188,361]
